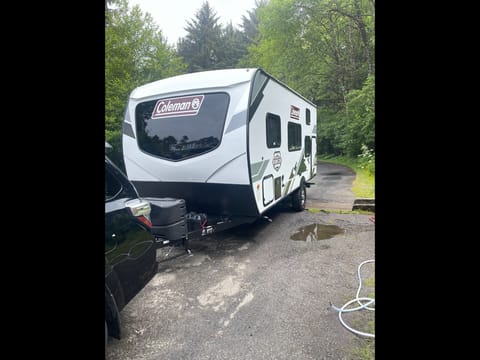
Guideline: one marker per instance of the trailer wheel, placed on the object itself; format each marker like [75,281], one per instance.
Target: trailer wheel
[299,198]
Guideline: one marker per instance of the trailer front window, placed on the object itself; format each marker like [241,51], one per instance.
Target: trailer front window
[178,128]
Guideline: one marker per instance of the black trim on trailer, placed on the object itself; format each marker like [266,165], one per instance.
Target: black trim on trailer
[248,139]
[251,111]
[252,107]
[214,199]
[287,87]
[255,104]
[128,130]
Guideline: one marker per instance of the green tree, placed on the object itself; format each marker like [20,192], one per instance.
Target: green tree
[232,47]
[359,120]
[249,23]
[208,45]
[200,48]
[135,53]
[323,49]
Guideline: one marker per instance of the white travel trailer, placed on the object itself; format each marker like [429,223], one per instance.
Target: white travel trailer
[231,143]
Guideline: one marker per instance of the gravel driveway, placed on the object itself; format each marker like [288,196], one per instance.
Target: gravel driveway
[254,293]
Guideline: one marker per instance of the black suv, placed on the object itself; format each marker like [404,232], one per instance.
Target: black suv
[130,253]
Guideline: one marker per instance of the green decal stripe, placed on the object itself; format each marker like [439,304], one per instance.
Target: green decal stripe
[256,167]
[287,187]
[259,174]
[292,174]
[299,164]
[297,170]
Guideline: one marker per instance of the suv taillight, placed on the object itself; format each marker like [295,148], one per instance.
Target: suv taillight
[141,210]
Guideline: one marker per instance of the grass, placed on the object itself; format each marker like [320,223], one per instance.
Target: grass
[361,212]
[366,346]
[369,282]
[366,351]
[364,183]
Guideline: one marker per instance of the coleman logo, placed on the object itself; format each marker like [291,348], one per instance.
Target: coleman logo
[179,106]
[294,112]
[277,160]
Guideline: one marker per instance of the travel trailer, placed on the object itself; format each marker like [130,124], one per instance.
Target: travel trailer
[220,147]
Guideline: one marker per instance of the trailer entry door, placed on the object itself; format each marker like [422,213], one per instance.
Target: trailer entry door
[268,189]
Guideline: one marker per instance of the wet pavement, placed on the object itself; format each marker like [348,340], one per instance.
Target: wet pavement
[332,188]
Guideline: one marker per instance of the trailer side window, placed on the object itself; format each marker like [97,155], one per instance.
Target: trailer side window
[294,136]
[274,136]
[307,116]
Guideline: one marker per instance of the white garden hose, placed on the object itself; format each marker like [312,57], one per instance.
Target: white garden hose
[365,305]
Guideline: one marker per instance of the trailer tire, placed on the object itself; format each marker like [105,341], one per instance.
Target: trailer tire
[299,198]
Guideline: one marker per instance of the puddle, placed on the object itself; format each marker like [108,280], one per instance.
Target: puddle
[316,232]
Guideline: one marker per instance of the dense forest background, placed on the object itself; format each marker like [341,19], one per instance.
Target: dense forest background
[324,49]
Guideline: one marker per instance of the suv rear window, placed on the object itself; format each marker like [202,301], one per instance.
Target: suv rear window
[180,128]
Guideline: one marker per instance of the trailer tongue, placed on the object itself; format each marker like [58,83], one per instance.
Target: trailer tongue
[172,225]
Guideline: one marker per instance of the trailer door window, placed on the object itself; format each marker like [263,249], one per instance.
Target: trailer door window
[182,136]
[274,136]
[294,136]
[308,146]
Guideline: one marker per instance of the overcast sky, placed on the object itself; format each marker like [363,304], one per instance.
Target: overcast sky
[171,15]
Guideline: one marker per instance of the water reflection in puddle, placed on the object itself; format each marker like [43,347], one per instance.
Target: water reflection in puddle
[316,232]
